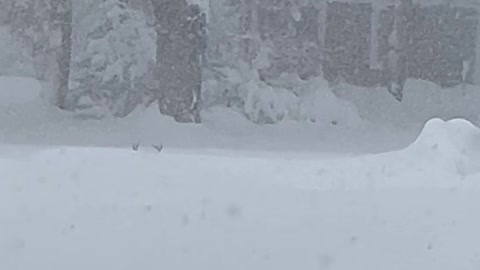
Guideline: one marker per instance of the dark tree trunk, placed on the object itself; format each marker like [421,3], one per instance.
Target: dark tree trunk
[180,31]
[404,27]
[65,53]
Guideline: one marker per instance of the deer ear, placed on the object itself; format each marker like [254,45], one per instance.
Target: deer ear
[159,148]
[135,147]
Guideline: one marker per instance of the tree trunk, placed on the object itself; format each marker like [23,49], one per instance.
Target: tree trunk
[476,66]
[64,56]
[180,31]
[404,21]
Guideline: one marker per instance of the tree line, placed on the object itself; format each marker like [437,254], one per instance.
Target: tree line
[114,55]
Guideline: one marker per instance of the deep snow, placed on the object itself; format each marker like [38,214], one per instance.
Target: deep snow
[94,208]
[231,195]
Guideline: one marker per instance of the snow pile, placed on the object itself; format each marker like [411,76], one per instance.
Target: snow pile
[445,155]
[289,99]
[454,144]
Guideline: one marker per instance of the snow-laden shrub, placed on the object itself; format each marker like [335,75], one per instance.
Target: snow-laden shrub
[319,104]
[298,100]
[113,49]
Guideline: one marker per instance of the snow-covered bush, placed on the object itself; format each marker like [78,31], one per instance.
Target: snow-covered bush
[248,51]
[113,48]
[289,99]
[41,34]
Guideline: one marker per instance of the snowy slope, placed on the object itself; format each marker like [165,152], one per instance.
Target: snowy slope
[94,208]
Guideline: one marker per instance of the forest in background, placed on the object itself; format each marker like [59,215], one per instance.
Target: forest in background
[267,59]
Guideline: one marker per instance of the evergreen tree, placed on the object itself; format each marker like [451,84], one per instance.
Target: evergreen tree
[112,54]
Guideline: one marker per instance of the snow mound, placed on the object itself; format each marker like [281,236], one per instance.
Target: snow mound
[286,99]
[18,90]
[455,142]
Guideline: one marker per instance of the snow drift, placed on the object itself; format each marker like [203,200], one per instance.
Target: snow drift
[455,143]
[96,208]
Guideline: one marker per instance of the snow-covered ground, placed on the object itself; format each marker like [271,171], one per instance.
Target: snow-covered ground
[94,208]
[26,118]
[230,195]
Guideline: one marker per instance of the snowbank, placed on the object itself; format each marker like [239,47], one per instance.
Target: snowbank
[94,208]
[455,144]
